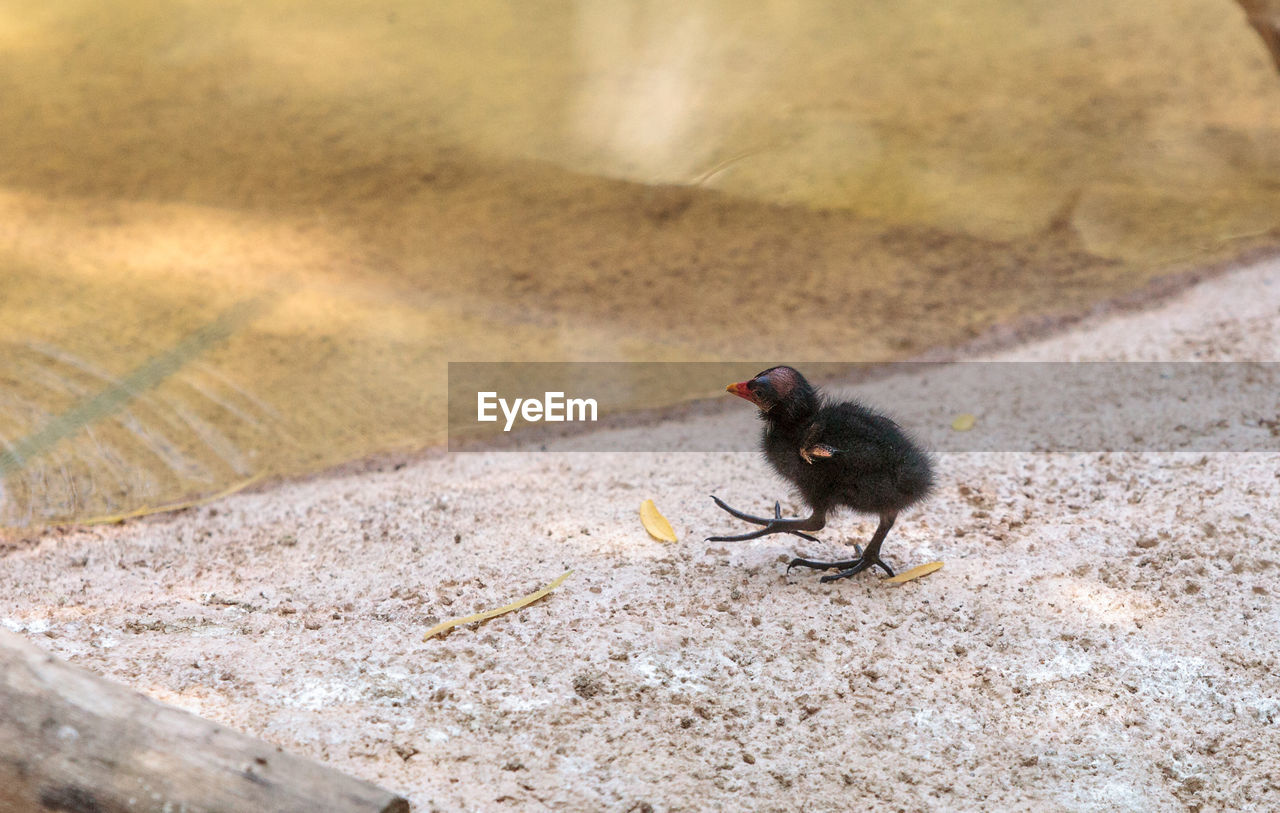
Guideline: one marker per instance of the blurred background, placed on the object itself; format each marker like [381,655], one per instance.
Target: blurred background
[244,239]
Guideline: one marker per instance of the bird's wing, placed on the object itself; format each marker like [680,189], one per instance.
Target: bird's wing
[813,448]
[819,451]
[848,434]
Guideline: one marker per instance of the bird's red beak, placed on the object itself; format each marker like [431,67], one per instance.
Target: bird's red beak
[740,389]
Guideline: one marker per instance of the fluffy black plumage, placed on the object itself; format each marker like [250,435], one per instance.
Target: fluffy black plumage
[838,454]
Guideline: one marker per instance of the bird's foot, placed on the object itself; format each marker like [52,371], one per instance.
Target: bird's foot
[771,526]
[846,567]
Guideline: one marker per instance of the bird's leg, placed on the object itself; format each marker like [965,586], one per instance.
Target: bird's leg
[776,525]
[866,559]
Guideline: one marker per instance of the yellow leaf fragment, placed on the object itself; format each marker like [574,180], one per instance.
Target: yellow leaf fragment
[656,524]
[915,573]
[487,614]
[964,422]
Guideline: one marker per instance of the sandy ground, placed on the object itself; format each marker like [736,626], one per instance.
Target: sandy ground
[355,193]
[1101,637]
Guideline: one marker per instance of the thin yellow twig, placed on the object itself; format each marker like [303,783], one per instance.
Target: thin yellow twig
[148,511]
[515,605]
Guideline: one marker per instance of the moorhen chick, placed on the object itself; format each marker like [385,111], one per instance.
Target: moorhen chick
[838,454]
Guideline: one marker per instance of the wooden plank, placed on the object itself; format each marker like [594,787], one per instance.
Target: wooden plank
[76,742]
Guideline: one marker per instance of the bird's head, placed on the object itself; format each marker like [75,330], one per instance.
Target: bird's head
[781,393]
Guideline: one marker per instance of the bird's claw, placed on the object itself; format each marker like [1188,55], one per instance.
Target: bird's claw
[816,565]
[863,564]
[773,525]
[846,567]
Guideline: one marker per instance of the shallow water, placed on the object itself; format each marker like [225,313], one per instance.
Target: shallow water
[247,238]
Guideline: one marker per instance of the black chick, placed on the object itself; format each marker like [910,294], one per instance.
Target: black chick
[837,454]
